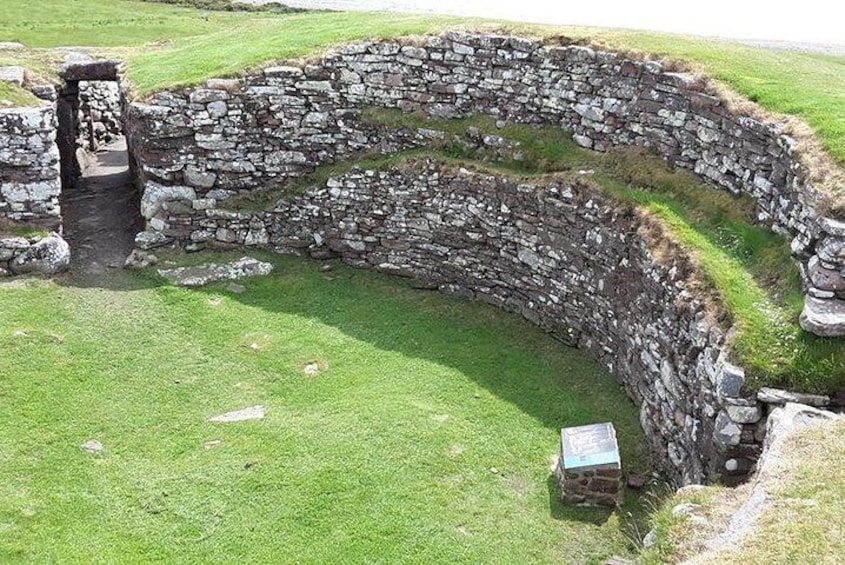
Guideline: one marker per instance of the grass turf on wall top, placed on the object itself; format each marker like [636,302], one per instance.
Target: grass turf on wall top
[185,46]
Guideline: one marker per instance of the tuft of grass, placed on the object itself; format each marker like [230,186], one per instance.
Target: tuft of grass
[261,41]
[231,6]
[385,454]
[12,96]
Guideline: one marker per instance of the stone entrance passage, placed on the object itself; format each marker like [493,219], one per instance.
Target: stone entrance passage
[100,201]
[102,211]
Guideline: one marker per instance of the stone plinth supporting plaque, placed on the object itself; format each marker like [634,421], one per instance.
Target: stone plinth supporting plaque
[589,470]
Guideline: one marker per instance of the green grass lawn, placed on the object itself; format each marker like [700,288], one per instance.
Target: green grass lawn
[386,455]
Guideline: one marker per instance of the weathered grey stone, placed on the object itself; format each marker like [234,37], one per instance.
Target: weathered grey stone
[823,278]
[730,380]
[14,74]
[832,250]
[151,239]
[49,256]
[823,317]
[92,446]
[156,194]
[727,432]
[199,178]
[139,259]
[744,414]
[207,273]
[776,396]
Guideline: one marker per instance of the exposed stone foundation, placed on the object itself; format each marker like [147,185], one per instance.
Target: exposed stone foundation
[585,268]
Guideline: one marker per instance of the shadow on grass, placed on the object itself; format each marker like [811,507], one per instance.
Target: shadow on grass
[502,353]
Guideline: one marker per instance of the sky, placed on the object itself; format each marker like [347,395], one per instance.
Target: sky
[809,21]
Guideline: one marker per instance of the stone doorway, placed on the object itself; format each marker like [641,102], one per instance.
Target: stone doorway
[100,199]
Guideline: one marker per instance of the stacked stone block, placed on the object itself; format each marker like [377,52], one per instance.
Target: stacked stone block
[29,166]
[100,119]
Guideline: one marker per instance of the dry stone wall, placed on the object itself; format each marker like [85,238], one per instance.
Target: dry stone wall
[100,116]
[29,166]
[245,133]
[581,266]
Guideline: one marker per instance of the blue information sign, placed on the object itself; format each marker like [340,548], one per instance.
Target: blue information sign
[593,445]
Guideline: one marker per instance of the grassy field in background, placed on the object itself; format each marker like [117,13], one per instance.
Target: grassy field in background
[425,437]
[185,46]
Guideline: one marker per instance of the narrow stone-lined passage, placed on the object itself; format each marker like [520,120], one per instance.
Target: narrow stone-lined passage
[102,212]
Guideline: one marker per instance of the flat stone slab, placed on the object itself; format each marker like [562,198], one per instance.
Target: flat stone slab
[823,317]
[14,74]
[778,396]
[204,274]
[251,413]
[92,446]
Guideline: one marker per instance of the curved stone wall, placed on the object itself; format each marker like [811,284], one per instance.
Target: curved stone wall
[589,270]
[241,134]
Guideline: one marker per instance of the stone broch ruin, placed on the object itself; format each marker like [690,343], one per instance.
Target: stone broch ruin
[589,269]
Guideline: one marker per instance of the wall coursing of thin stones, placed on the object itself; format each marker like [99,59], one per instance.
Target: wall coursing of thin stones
[587,269]
[242,134]
[100,119]
[29,166]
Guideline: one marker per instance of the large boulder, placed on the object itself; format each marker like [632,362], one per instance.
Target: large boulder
[49,256]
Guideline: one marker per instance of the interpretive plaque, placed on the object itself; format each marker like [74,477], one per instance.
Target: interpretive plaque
[589,470]
[589,446]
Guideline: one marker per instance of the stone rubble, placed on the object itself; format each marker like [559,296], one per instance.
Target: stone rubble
[42,255]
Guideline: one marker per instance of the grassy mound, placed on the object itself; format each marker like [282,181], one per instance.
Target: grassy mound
[425,435]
